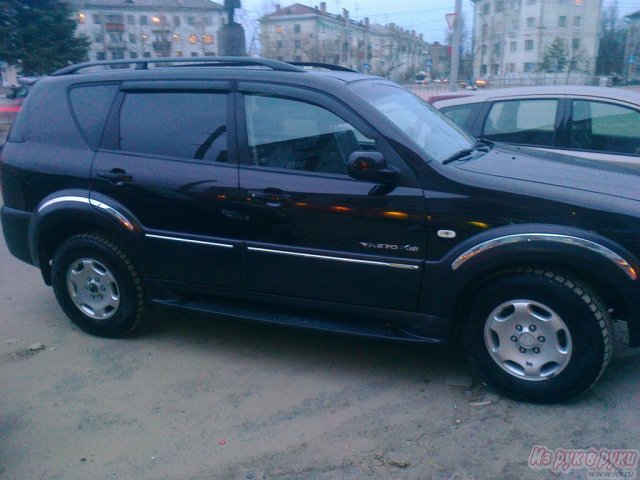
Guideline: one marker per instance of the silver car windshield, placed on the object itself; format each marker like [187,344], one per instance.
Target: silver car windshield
[437,136]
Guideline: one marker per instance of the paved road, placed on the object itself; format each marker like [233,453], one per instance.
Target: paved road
[197,398]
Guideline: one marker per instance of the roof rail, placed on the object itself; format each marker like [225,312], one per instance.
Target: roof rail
[143,63]
[326,66]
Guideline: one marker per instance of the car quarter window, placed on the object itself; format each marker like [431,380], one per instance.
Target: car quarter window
[189,125]
[460,114]
[604,127]
[527,122]
[90,105]
[296,135]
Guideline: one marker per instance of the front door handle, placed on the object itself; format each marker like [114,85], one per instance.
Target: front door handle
[272,197]
[117,176]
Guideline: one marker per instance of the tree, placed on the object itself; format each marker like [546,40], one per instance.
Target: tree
[610,59]
[555,57]
[37,36]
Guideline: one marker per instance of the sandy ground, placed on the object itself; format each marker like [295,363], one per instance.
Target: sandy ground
[202,398]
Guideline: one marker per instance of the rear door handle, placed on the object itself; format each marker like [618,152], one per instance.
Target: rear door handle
[117,176]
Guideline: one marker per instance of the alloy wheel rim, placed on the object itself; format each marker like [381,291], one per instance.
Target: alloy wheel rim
[93,288]
[528,340]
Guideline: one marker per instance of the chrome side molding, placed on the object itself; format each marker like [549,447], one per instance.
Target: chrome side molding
[336,259]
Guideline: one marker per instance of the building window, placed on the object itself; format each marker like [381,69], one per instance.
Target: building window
[143,20]
[178,54]
[133,55]
[96,19]
[575,43]
[531,22]
[496,49]
[495,69]
[193,39]
[485,29]
[296,28]
[155,20]
[562,21]
[279,44]
[132,39]
[511,67]
[144,37]
[176,38]
[528,45]
[529,67]
[194,54]
[577,21]
[486,8]
[297,44]
[207,39]
[81,17]
[191,20]
[131,20]
[146,54]
[499,6]
[101,56]
[483,70]
[515,24]
[98,38]
[206,20]
[514,46]
[279,28]
[176,21]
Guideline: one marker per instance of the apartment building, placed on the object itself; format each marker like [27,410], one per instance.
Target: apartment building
[302,33]
[122,29]
[511,36]
[632,48]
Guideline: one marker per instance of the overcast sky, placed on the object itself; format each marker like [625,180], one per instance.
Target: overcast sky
[426,16]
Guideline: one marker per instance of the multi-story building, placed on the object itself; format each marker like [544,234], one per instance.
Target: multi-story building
[121,29]
[302,33]
[510,37]
[632,47]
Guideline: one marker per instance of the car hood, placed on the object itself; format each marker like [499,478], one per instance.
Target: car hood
[555,170]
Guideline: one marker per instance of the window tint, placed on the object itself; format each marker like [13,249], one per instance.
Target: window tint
[604,127]
[527,122]
[174,124]
[91,104]
[460,114]
[285,133]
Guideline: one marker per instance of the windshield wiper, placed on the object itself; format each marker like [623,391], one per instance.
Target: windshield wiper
[481,145]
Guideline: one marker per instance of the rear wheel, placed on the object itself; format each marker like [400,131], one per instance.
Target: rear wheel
[537,335]
[98,286]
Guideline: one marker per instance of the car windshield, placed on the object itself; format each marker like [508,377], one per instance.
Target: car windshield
[437,136]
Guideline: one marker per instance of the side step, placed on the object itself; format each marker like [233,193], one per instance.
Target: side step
[296,317]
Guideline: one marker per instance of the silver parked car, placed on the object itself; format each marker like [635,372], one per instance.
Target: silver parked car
[590,122]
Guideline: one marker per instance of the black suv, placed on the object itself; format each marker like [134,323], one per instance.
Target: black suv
[321,198]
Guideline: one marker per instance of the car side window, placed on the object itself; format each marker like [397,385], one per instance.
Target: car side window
[604,127]
[90,105]
[189,125]
[296,135]
[460,114]
[526,122]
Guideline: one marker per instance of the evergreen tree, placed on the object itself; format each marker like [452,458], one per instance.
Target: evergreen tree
[37,36]
[554,57]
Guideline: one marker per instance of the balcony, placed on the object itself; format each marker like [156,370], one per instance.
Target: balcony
[163,48]
[114,27]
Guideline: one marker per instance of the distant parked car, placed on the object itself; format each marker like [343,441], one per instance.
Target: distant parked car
[10,106]
[590,122]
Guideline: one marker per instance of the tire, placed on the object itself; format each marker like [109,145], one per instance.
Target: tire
[537,335]
[98,286]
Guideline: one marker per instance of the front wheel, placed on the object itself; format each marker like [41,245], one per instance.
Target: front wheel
[98,286]
[537,335]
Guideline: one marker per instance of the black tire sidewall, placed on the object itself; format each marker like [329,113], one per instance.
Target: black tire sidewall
[105,252]
[587,337]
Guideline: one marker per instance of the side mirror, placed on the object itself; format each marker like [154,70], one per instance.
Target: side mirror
[370,166]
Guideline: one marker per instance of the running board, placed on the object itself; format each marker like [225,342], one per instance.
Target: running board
[296,317]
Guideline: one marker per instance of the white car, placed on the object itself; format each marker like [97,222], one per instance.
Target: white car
[590,122]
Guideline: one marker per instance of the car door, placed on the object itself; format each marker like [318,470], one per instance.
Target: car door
[312,230]
[603,130]
[166,157]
